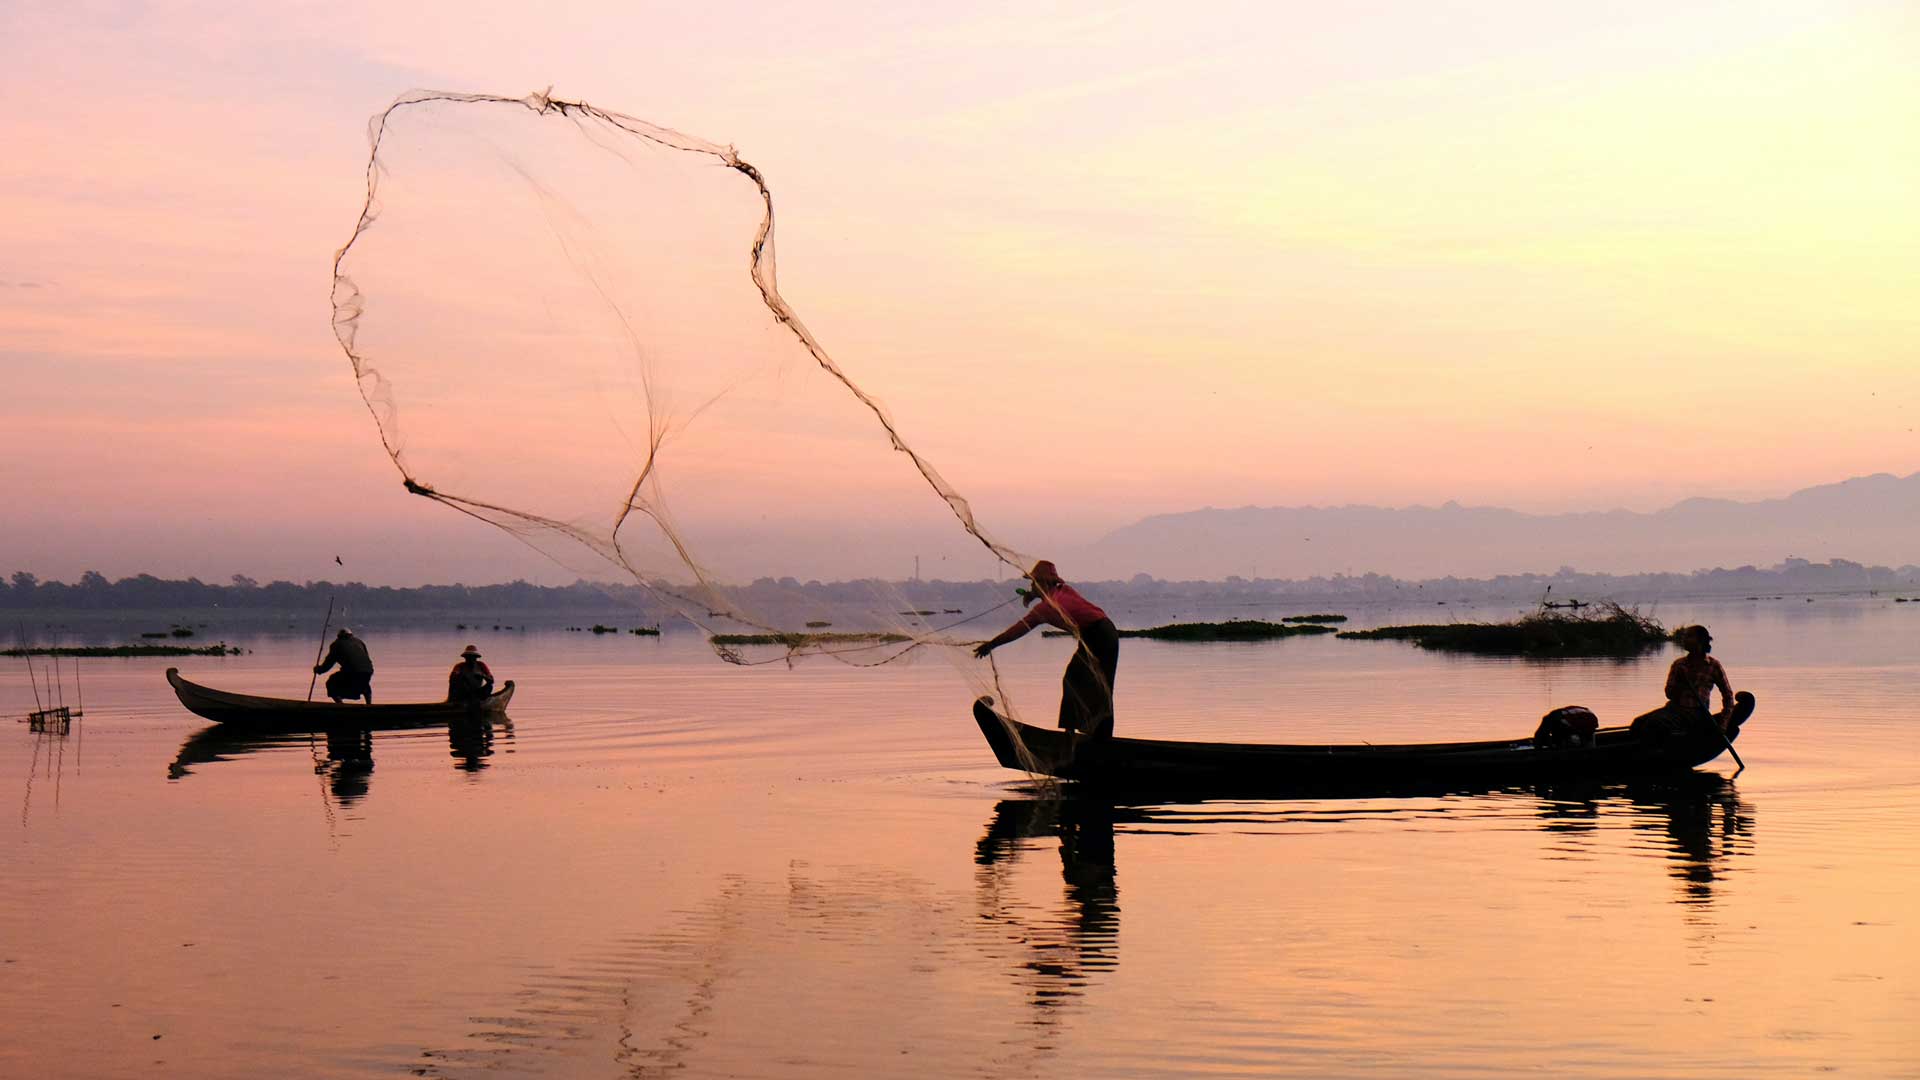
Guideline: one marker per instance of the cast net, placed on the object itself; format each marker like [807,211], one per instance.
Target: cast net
[566,323]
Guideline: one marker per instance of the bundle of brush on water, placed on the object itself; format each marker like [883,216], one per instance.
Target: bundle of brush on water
[1604,629]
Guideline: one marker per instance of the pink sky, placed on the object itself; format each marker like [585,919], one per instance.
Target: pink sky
[1529,255]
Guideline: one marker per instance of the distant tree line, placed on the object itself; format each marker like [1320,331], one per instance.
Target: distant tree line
[93,591]
[145,592]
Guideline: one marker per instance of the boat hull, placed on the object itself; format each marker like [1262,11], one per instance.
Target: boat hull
[284,714]
[1166,766]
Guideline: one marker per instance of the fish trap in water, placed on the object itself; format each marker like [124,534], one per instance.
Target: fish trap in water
[55,721]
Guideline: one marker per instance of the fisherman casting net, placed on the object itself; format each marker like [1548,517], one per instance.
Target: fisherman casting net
[566,323]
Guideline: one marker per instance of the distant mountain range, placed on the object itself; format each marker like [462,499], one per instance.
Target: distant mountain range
[1874,519]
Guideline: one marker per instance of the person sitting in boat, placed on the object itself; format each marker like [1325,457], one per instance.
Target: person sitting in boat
[355,677]
[1692,678]
[1086,690]
[470,680]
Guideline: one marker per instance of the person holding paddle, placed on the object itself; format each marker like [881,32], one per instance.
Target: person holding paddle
[1086,690]
[1692,678]
[355,677]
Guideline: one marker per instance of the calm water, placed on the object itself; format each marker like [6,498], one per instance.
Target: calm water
[667,865]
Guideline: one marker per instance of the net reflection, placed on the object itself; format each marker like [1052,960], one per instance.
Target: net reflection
[342,755]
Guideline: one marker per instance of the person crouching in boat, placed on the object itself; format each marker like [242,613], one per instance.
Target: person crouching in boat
[470,680]
[1692,678]
[355,677]
[1086,690]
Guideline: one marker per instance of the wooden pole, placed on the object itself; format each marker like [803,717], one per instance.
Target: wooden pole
[322,650]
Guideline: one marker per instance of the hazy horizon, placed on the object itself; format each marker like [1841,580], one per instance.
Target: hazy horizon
[1089,565]
[1489,253]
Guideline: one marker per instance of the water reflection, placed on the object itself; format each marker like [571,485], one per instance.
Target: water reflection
[1062,950]
[470,742]
[1705,827]
[349,763]
[49,761]
[1699,824]
[343,755]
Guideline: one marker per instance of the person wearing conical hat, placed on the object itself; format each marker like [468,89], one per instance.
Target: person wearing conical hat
[1086,690]
[355,677]
[470,680]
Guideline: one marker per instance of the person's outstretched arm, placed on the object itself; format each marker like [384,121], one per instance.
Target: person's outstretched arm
[1011,633]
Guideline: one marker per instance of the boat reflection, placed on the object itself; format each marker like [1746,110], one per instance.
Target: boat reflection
[1063,948]
[1698,820]
[344,755]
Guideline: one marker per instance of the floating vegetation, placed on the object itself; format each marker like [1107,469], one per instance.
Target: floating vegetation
[1610,631]
[815,624]
[1232,630]
[154,633]
[1313,618]
[602,628]
[181,631]
[222,649]
[645,631]
[797,641]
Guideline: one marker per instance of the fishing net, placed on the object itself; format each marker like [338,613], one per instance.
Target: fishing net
[566,323]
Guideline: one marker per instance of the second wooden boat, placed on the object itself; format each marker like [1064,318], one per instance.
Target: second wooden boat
[289,714]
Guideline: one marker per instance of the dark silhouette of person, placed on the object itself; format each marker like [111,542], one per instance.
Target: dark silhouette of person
[470,680]
[355,677]
[1692,678]
[1086,690]
[1690,685]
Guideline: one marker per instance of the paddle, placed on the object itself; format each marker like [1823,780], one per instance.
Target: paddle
[322,650]
[1722,732]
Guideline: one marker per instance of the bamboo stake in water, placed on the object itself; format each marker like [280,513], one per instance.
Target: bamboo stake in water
[26,652]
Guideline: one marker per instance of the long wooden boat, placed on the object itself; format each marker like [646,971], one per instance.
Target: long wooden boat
[1165,766]
[287,714]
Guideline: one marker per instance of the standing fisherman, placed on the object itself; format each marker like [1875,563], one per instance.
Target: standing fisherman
[1086,690]
[355,677]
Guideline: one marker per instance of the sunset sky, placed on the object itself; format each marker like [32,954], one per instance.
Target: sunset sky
[1544,256]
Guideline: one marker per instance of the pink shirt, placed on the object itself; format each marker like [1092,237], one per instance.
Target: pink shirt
[1062,608]
[1692,682]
